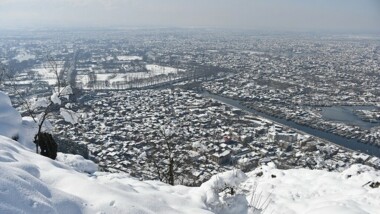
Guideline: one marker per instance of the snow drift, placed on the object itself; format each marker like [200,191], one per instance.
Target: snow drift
[304,191]
[31,183]
[10,119]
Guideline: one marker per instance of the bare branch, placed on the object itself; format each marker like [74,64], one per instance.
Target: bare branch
[24,102]
[53,66]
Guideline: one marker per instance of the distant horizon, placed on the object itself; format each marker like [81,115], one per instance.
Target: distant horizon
[262,15]
[184,28]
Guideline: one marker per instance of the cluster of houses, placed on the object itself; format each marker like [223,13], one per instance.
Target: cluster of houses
[295,86]
[123,129]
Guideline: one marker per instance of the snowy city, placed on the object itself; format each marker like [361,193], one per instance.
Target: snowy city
[145,107]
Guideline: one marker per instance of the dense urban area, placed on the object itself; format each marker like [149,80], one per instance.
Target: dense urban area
[144,99]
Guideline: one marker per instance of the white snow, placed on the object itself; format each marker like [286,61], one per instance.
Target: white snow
[30,183]
[47,74]
[10,119]
[83,79]
[41,102]
[69,116]
[129,58]
[66,91]
[305,191]
[28,130]
[55,98]
[21,187]
[130,77]
[23,56]
[213,193]
[158,69]
[77,162]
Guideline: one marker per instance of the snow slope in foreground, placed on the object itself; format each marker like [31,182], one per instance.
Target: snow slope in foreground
[10,119]
[31,183]
[303,191]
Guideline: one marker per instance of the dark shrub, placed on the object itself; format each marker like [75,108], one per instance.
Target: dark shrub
[47,145]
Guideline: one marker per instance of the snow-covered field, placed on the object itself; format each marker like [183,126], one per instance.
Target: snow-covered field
[47,74]
[23,56]
[130,77]
[129,58]
[30,183]
[158,69]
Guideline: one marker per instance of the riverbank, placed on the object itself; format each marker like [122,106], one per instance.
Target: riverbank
[351,144]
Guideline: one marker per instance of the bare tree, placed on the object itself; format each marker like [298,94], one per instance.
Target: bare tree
[43,108]
[49,109]
[59,91]
[5,76]
[52,66]
[170,162]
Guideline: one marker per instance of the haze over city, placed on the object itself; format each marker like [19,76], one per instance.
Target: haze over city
[278,15]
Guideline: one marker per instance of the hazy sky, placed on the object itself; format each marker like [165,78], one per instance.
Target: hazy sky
[315,15]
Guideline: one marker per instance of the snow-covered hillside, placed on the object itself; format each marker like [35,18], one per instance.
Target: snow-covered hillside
[10,119]
[304,191]
[30,183]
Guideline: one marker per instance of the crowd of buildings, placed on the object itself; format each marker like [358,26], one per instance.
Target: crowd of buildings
[122,130]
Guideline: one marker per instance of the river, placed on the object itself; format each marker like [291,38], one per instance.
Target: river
[346,114]
[352,144]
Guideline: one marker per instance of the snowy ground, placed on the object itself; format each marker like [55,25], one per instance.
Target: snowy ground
[30,183]
[158,69]
[47,74]
[23,56]
[305,191]
[129,58]
[130,77]
[10,119]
